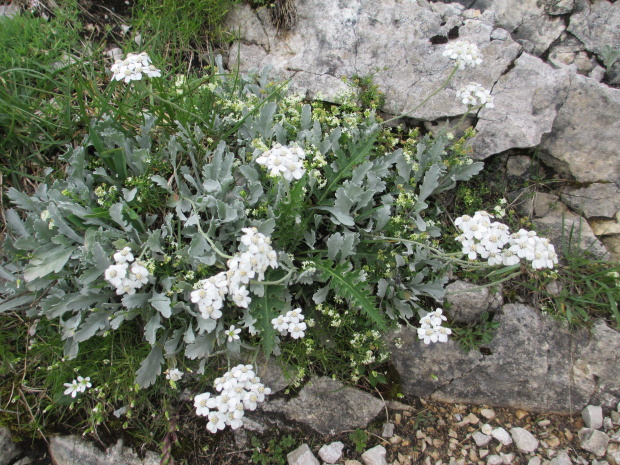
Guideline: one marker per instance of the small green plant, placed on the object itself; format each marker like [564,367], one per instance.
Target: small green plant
[368,93]
[275,452]
[422,419]
[359,438]
[476,334]
[610,55]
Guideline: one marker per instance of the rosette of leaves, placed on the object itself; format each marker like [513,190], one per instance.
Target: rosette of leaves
[181,206]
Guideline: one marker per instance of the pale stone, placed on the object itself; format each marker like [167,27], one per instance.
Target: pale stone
[468,301]
[502,436]
[388,430]
[331,453]
[375,456]
[302,456]
[593,441]
[524,440]
[534,461]
[593,416]
[481,439]
[8,449]
[507,458]
[595,200]
[494,460]
[486,429]
[69,450]
[562,459]
[487,413]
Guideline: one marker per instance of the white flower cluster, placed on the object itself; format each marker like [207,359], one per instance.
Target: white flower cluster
[133,68]
[239,389]
[430,327]
[463,53]
[292,322]
[77,385]
[254,257]
[284,161]
[493,242]
[174,374]
[126,280]
[474,94]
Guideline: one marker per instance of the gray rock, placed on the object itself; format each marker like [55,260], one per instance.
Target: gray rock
[389,39]
[487,413]
[331,453]
[494,460]
[8,449]
[328,406]
[534,461]
[524,440]
[10,10]
[596,25]
[69,450]
[615,437]
[507,458]
[468,302]
[302,456]
[561,459]
[615,417]
[375,456]
[593,440]
[592,416]
[527,99]
[561,226]
[502,436]
[388,430]
[596,200]
[588,114]
[531,364]
[24,461]
[527,22]
[614,458]
[481,439]
[608,425]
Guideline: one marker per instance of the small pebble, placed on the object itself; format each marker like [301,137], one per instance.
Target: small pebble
[544,422]
[521,413]
[534,461]
[487,413]
[483,453]
[502,436]
[486,428]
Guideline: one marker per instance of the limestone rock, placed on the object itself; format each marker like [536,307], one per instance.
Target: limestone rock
[331,453]
[596,25]
[560,226]
[588,114]
[595,200]
[530,364]
[534,461]
[524,440]
[468,302]
[375,456]
[561,459]
[8,449]
[494,460]
[389,39]
[527,99]
[527,22]
[326,406]
[592,416]
[593,440]
[302,456]
[502,436]
[69,450]
[481,439]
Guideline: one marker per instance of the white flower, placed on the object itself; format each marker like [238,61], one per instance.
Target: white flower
[463,53]
[83,383]
[296,330]
[140,275]
[216,422]
[474,94]
[280,323]
[200,402]
[232,333]
[429,334]
[115,274]
[132,68]
[123,256]
[295,316]
[174,374]
[286,162]
[72,388]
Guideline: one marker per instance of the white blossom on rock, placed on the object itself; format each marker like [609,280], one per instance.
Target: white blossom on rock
[465,54]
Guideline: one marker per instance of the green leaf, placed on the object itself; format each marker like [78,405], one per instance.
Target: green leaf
[151,327]
[15,302]
[96,321]
[265,309]
[150,368]
[47,259]
[351,285]
[202,347]
[162,304]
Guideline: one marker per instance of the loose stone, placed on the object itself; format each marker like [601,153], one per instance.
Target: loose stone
[534,461]
[487,413]
[331,453]
[375,456]
[481,439]
[593,416]
[302,456]
[486,428]
[495,460]
[593,440]
[502,436]
[562,459]
[524,440]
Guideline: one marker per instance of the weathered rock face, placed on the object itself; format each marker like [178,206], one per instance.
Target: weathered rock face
[69,450]
[583,141]
[596,25]
[392,40]
[533,364]
[468,302]
[526,105]
[323,405]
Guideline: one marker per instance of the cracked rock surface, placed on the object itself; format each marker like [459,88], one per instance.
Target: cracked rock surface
[531,364]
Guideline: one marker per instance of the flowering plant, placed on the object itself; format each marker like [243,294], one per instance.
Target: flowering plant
[264,222]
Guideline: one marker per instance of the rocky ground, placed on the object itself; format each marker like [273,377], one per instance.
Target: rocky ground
[428,433]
